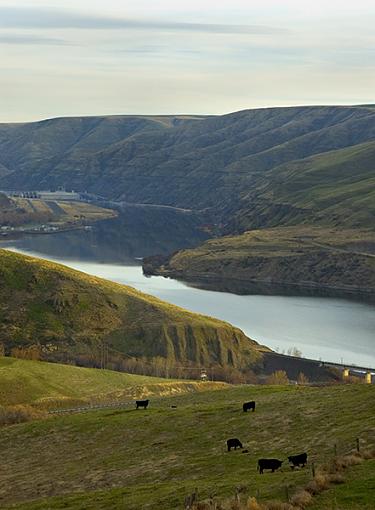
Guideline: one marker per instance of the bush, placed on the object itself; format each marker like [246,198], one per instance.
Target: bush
[301,499]
[302,379]
[17,414]
[278,377]
[368,454]
[319,484]
[342,462]
[278,505]
[336,478]
[252,504]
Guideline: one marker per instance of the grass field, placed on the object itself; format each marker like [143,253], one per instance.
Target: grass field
[152,459]
[25,212]
[51,385]
[61,212]
[357,493]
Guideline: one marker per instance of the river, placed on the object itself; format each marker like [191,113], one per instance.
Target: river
[332,329]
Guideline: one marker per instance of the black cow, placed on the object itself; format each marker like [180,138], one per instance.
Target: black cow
[248,405]
[298,460]
[233,443]
[268,464]
[142,403]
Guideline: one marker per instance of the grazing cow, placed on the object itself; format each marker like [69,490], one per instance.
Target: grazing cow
[233,443]
[248,405]
[142,403]
[268,464]
[298,460]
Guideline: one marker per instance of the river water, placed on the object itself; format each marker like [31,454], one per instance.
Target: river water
[332,329]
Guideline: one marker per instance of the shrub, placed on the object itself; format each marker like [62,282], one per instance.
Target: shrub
[352,460]
[341,463]
[278,505]
[319,484]
[17,414]
[252,504]
[278,377]
[302,379]
[368,454]
[301,499]
[336,478]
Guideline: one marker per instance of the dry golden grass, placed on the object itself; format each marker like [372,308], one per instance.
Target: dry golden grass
[301,499]
[9,415]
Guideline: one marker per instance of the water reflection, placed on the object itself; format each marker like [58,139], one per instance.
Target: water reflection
[321,327]
[136,233]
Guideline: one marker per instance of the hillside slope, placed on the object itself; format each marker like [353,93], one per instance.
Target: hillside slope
[221,163]
[51,385]
[134,459]
[336,188]
[301,256]
[65,315]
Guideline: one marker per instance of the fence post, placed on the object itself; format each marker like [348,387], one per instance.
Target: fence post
[287,493]
[313,469]
[335,449]
[190,500]
[357,442]
[237,495]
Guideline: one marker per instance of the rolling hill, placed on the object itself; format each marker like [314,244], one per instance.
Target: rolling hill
[254,169]
[153,459]
[250,169]
[52,385]
[299,256]
[336,188]
[54,313]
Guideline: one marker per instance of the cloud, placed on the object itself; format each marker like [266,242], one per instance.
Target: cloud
[31,39]
[26,18]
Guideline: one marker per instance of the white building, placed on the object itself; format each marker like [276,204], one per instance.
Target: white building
[58,195]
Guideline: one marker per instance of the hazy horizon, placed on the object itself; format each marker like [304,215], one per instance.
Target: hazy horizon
[63,58]
[180,114]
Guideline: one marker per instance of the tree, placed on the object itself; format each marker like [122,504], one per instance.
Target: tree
[278,377]
[293,351]
[302,379]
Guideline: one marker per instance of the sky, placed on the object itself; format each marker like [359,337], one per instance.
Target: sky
[102,57]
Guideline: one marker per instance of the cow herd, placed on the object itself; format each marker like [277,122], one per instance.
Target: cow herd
[299,460]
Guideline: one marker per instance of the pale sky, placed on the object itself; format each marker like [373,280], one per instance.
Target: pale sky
[100,57]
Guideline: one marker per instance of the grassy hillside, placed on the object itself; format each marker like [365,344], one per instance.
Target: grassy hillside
[303,255]
[336,188]
[153,459]
[65,315]
[357,493]
[46,385]
[232,164]
[27,212]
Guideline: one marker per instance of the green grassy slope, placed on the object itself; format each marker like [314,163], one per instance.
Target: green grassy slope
[300,255]
[136,459]
[69,314]
[53,385]
[357,493]
[336,188]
